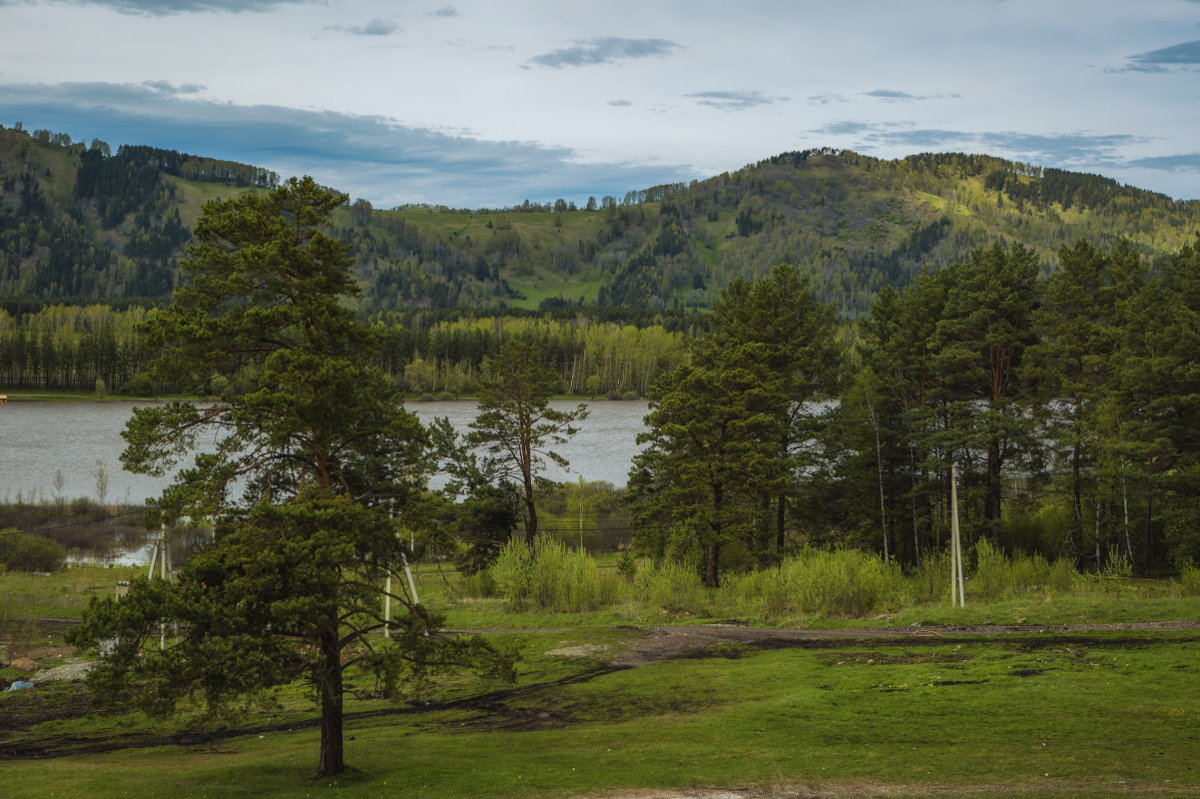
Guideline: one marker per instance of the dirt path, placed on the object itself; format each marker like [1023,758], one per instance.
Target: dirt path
[652,644]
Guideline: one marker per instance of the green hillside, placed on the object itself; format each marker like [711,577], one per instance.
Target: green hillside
[78,222]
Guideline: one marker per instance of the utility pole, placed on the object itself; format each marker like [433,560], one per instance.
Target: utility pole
[957,592]
[387,591]
[581,513]
[161,556]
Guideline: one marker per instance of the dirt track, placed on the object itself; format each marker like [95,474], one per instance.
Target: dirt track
[651,644]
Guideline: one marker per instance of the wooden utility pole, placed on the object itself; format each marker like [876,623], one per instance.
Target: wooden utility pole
[387,591]
[581,485]
[957,590]
[161,556]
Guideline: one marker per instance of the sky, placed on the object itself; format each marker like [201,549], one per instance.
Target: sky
[486,104]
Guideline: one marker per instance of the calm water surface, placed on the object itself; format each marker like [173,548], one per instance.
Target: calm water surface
[40,439]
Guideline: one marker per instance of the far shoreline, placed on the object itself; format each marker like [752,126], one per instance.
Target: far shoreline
[73,396]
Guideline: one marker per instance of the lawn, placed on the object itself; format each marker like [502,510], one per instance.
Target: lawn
[910,703]
[1029,715]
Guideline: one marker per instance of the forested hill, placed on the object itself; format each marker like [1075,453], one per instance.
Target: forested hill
[81,223]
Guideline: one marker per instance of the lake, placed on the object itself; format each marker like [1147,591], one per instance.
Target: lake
[39,440]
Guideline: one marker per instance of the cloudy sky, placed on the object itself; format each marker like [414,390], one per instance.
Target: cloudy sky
[479,103]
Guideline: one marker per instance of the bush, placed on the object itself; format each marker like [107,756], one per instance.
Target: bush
[27,553]
[993,573]
[1118,565]
[478,584]
[1189,578]
[1063,575]
[931,577]
[512,573]
[549,576]
[1028,573]
[843,582]
[670,585]
[997,576]
[627,566]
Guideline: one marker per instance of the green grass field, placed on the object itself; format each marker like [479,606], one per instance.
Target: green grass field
[923,710]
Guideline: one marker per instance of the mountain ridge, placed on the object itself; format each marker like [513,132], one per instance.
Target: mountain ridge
[80,223]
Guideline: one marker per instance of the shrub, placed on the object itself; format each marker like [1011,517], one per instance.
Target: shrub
[670,585]
[20,552]
[931,577]
[1062,575]
[843,582]
[480,584]
[627,566]
[549,576]
[513,573]
[1189,578]
[1028,573]
[993,573]
[1118,564]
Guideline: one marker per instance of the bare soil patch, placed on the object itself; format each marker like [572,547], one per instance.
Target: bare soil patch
[652,644]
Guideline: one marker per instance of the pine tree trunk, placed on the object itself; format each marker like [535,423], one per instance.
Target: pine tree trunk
[992,502]
[780,523]
[1077,496]
[711,575]
[329,687]
[531,519]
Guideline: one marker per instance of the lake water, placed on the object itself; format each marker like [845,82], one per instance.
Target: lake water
[39,440]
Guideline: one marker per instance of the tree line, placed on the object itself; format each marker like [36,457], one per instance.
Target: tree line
[76,348]
[1067,403]
[85,347]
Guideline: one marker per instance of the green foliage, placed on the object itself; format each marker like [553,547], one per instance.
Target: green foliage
[729,431]
[289,587]
[512,573]
[929,579]
[991,576]
[712,433]
[995,575]
[627,566]
[1118,564]
[670,585]
[1189,579]
[30,553]
[516,425]
[120,222]
[73,348]
[547,575]
[846,583]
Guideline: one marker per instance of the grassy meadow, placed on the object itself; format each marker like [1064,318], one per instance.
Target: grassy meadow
[905,698]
